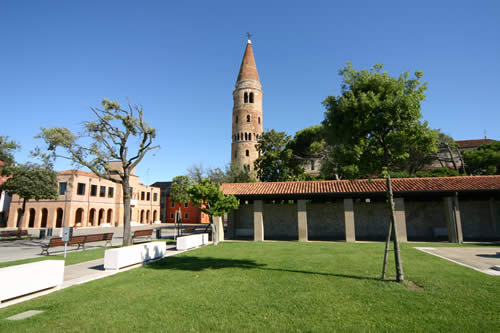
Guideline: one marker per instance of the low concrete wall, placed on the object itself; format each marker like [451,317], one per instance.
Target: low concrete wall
[243,222]
[371,220]
[130,255]
[24,279]
[325,221]
[191,241]
[422,217]
[476,220]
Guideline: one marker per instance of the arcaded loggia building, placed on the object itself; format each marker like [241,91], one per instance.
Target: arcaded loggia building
[247,113]
[85,200]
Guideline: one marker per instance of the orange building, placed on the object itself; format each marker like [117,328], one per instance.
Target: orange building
[190,213]
[85,200]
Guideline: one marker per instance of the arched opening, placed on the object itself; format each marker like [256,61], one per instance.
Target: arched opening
[142,216]
[259,120]
[101,216]
[92,217]
[245,98]
[79,216]
[248,118]
[31,222]
[246,136]
[154,215]
[236,120]
[109,216]
[45,213]
[251,97]
[59,217]
[247,152]
[19,212]
[147,217]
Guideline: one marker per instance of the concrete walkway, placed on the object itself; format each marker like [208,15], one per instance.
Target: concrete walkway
[85,272]
[481,259]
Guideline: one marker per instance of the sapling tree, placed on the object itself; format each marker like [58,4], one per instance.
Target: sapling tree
[372,126]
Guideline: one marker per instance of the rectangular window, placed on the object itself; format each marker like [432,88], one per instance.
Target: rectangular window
[148,196]
[186,205]
[102,191]
[155,196]
[172,204]
[111,192]
[142,195]
[62,188]
[171,215]
[80,189]
[186,216]
[93,190]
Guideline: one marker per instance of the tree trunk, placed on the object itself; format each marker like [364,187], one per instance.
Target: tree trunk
[397,254]
[451,157]
[20,217]
[127,235]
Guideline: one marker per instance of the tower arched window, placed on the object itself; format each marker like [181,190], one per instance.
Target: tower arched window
[248,118]
[251,97]
[259,120]
[246,136]
[247,152]
[245,97]
[236,121]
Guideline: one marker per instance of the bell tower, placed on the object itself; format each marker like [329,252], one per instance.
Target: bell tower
[247,113]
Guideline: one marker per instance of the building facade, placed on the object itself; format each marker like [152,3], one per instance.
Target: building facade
[247,113]
[190,213]
[85,200]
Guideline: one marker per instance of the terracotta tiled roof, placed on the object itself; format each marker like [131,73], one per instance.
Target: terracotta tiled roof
[436,184]
[248,69]
[78,172]
[472,143]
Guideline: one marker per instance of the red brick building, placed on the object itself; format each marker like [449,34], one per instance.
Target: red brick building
[190,213]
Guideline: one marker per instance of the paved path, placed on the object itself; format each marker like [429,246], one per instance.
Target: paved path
[85,272]
[481,259]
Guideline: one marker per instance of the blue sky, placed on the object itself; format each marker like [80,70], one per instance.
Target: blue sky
[180,60]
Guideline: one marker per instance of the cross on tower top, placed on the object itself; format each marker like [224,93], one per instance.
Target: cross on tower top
[249,35]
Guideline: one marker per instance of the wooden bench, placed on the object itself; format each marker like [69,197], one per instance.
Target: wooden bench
[57,241]
[191,228]
[98,238]
[143,233]
[14,233]
[79,240]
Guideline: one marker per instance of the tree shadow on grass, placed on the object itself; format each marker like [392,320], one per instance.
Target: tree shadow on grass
[189,263]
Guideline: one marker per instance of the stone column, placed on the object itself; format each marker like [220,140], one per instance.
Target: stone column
[350,233]
[493,216]
[452,213]
[302,220]
[258,220]
[399,204]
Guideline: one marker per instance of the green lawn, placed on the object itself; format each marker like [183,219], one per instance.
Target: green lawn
[273,286]
[72,257]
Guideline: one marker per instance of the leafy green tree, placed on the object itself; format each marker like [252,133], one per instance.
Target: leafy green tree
[31,182]
[119,134]
[179,189]
[235,174]
[7,147]
[485,160]
[273,164]
[213,202]
[373,124]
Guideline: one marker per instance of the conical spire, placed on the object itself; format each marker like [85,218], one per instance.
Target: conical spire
[248,69]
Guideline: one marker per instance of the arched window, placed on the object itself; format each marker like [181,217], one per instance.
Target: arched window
[236,119]
[251,97]
[147,216]
[154,215]
[247,152]
[142,216]
[43,223]
[109,216]
[259,120]
[245,99]
[100,219]
[246,136]
[248,118]
[31,222]
[59,217]
[92,216]
[79,216]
